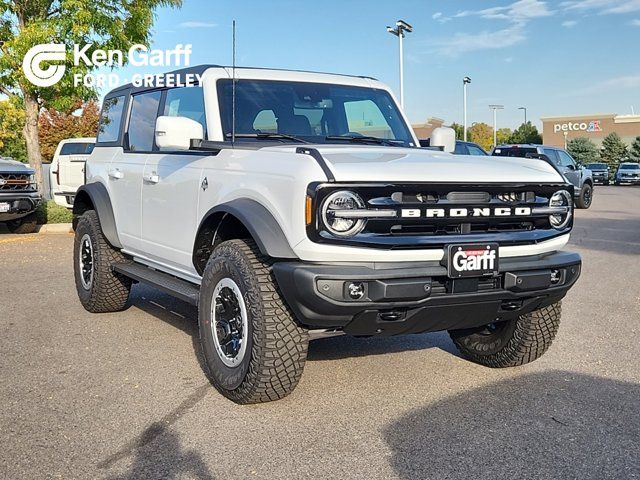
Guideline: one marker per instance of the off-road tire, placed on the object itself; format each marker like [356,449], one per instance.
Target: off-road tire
[109,291]
[277,346]
[23,225]
[585,199]
[514,342]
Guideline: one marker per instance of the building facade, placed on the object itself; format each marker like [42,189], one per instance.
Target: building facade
[558,130]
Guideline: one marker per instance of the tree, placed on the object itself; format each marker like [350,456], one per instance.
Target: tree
[503,135]
[459,129]
[54,126]
[614,150]
[526,133]
[11,122]
[634,150]
[107,25]
[482,134]
[583,150]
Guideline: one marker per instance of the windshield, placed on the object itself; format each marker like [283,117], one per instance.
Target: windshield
[601,166]
[314,112]
[76,148]
[630,166]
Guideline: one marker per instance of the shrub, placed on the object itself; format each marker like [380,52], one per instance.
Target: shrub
[51,212]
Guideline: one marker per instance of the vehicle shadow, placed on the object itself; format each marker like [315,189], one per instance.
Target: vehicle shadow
[184,317]
[552,424]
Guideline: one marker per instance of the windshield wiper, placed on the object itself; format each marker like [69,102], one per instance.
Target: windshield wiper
[268,136]
[366,139]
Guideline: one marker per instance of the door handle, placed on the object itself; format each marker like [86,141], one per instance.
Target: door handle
[151,178]
[115,174]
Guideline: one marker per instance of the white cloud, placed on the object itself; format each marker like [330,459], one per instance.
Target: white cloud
[569,23]
[486,40]
[635,22]
[612,84]
[195,24]
[522,10]
[436,15]
[602,7]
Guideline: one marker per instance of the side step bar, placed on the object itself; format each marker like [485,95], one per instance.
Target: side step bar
[162,281]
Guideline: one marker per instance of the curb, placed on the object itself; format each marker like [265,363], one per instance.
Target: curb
[55,228]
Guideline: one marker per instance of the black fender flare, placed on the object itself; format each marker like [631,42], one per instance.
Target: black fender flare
[262,226]
[98,196]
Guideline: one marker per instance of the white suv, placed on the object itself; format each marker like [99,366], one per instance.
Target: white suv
[291,205]
[67,168]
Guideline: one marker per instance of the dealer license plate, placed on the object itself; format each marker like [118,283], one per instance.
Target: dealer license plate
[4,207]
[472,260]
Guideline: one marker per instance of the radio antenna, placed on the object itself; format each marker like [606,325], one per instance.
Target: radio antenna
[233,86]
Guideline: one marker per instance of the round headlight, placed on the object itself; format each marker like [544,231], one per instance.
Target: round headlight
[561,198]
[332,209]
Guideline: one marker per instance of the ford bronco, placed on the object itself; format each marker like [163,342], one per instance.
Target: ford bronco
[290,206]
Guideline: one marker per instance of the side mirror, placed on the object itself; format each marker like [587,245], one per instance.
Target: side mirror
[176,133]
[571,166]
[444,138]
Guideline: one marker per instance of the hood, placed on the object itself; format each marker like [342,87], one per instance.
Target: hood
[8,165]
[409,165]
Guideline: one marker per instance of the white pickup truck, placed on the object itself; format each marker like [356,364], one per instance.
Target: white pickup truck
[292,205]
[67,168]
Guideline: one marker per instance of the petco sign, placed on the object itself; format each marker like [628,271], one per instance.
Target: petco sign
[592,126]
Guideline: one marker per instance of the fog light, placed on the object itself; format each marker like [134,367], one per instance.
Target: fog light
[556,276]
[355,290]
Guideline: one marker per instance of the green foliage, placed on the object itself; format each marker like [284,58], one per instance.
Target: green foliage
[482,134]
[51,212]
[526,133]
[12,143]
[503,135]
[583,150]
[614,150]
[634,150]
[459,129]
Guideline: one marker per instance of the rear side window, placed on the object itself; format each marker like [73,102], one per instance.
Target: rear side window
[473,150]
[142,123]
[76,149]
[461,149]
[186,102]
[111,119]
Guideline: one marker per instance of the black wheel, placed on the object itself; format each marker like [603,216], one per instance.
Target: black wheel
[23,225]
[585,197]
[99,288]
[254,351]
[510,343]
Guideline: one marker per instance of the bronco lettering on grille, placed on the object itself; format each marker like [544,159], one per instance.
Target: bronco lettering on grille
[466,212]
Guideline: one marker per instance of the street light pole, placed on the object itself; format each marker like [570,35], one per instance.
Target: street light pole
[465,82]
[399,31]
[495,109]
[525,113]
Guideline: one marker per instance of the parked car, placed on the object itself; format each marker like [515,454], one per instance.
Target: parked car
[600,173]
[67,168]
[580,177]
[309,210]
[628,173]
[19,197]
[462,148]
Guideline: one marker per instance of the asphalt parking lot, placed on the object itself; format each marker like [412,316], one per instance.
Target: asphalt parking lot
[122,396]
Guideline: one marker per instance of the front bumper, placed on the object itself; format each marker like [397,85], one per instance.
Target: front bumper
[419,297]
[601,179]
[628,180]
[21,204]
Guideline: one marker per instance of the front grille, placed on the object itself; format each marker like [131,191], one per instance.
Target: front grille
[428,215]
[16,182]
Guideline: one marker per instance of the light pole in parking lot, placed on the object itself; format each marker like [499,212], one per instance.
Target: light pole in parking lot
[465,82]
[399,31]
[495,109]
[525,113]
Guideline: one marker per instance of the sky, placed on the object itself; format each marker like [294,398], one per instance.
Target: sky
[552,57]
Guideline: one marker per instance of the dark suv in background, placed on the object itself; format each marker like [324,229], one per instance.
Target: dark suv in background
[580,177]
[19,196]
[600,173]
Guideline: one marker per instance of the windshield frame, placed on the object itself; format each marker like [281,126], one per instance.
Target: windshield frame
[398,126]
